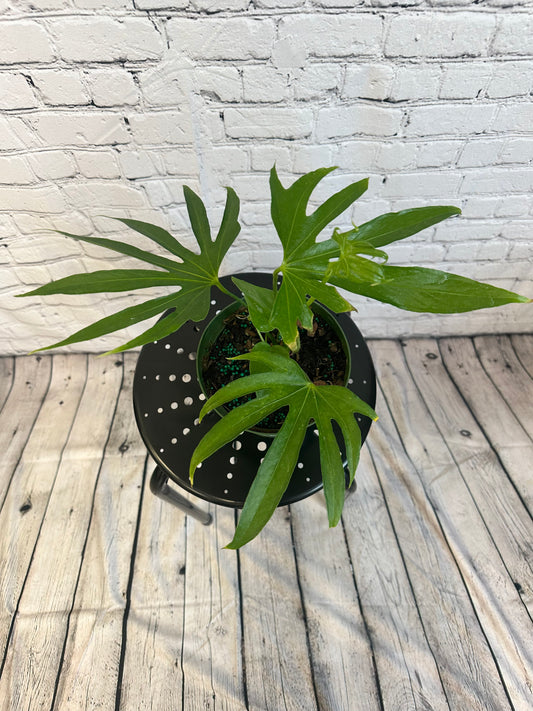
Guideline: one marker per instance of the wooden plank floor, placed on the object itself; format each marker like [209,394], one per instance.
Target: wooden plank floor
[421,599]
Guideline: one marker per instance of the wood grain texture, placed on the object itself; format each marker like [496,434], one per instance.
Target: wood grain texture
[341,652]
[470,522]
[37,637]
[7,373]
[421,599]
[31,380]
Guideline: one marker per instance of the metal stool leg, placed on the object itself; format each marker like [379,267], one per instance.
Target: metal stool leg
[160,487]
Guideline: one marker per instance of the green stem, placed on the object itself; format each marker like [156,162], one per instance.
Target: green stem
[227,291]
[275,279]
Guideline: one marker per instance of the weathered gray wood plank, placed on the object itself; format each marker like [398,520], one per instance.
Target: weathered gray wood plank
[341,654]
[90,667]
[498,606]
[451,630]
[7,374]
[507,373]
[27,499]
[31,380]
[152,675]
[492,412]
[37,638]
[523,347]
[212,660]
[278,669]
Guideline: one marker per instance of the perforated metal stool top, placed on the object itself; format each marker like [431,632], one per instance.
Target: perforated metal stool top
[167,400]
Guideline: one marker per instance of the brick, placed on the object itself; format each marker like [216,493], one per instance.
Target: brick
[517,117]
[464,81]
[308,158]
[438,184]
[396,156]
[15,170]
[498,181]
[16,92]
[138,164]
[512,206]
[222,83]
[264,84]
[104,39]
[232,38]
[14,134]
[315,80]
[30,275]
[368,81]
[480,153]
[211,6]
[511,79]
[99,194]
[40,199]
[52,165]
[439,35]
[105,5]
[275,4]
[264,157]
[25,42]
[417,81]
[169,83]
[357,120]
[518,150]
[162,127]
[112,88]
[97,164]
[514,35]
[268,123]
[184,161]
[60,87]
[359,155]
[161,4]
[289,54]
[450,119]
[324,35]
[79,129]
[437,153]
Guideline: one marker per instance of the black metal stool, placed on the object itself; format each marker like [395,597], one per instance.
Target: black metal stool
[167,400]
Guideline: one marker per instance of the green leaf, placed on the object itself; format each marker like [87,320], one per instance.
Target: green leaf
[195,275]
[283,383]
[107,280]
[157,235]
[394,226]
[304,261]
[122,319]
[259,302]
[430,290]
[124,248]
[351,262]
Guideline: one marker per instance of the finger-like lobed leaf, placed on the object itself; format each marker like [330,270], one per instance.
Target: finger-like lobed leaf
[304,261]
[285,383]
[106,280]
[394,226]
[429,290]
[195,274]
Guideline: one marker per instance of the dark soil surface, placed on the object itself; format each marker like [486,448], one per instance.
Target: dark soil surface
[321,356]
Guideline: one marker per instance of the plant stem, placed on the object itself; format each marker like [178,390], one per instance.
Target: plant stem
[227,291]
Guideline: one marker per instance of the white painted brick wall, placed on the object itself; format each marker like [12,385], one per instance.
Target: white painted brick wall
[110,106]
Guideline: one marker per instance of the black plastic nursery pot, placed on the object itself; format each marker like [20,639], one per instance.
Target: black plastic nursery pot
[168,397]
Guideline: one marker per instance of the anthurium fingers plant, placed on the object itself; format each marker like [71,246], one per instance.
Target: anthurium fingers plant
[353,259]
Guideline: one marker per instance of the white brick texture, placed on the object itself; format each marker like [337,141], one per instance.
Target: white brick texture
[108,107]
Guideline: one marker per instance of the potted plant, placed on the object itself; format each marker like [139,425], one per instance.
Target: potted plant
[279,318]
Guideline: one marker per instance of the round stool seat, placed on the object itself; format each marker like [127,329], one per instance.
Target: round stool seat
[167,401]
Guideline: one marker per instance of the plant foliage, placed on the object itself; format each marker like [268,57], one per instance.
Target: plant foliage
[311,269]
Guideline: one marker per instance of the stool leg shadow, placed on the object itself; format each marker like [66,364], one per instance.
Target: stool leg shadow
[159,486]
